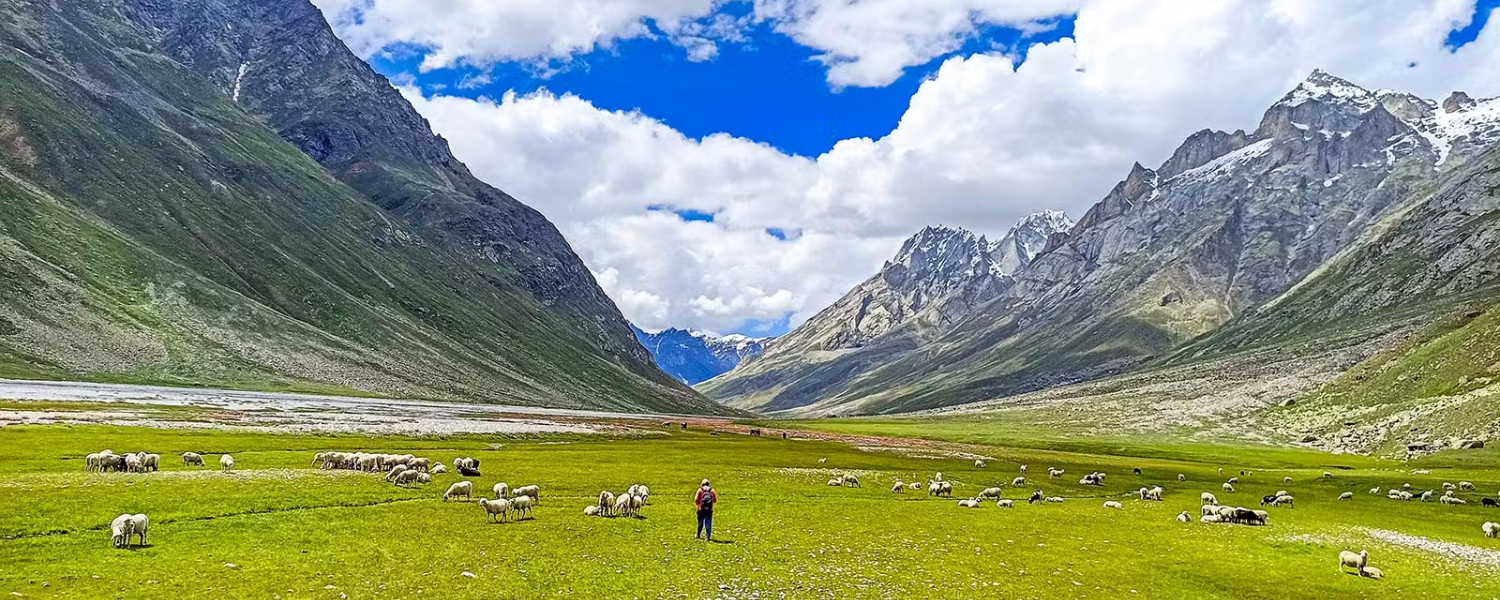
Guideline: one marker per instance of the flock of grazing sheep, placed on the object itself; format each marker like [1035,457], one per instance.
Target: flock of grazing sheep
[1211,511]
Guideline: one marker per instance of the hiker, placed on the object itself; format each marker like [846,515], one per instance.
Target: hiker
[705,500]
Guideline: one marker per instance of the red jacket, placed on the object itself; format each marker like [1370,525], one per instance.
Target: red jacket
[698,497]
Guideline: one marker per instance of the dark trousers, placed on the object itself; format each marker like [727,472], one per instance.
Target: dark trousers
[705,524]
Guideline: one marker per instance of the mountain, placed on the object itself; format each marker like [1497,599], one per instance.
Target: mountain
[1180,264]
[939,276]
[694,356]
[218,192]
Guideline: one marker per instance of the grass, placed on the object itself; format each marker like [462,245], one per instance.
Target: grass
[293,531]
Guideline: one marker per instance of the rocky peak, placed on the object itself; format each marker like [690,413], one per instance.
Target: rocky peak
[1457,101]
[1126,195]
[1201,148]
[1026,240]
[942,249]
[1321,103]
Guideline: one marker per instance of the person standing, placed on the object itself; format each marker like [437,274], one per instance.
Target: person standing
[705,500]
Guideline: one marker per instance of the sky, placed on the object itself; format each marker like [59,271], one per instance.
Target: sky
[738,165]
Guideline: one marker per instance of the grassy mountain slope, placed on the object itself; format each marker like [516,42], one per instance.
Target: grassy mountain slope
[151,230]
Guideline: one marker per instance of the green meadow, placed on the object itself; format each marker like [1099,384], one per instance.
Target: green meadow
[278,527]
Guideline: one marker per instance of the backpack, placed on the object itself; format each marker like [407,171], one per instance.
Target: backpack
[707,501]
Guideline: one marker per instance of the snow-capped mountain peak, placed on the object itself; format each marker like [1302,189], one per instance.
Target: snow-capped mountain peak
[1025,240]
[696,356]
[1324,87]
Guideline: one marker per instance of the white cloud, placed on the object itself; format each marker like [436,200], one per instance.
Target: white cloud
[982,143]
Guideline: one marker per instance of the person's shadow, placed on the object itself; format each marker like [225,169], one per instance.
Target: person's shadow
[722,541]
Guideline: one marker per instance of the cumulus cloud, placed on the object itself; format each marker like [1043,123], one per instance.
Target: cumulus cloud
[983,142]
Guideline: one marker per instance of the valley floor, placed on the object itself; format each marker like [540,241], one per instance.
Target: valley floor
[278,527]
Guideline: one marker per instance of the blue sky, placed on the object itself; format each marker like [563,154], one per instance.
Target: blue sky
[854,124]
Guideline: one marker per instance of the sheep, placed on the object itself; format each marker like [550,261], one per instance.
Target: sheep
[421,477]
[498,506]
[1407,486]
[606,502]
[408,477]
[122,528]
[1233,480]
[1023,468]
[969,503]
[1228,488]
[529,490]
[1209,509]
[1452,500]
[1448,494]
[622,506]
[1372,573]
[467,466]
[915,485]
[1466,486]
[1095,478]
[1346,496]
[1284,501]
[438,469]
[1181,478]
[938,476]
[522,505]
[979,464]
[1350,559]
[934,488]
[835,482]
[1427,496]
[226,462]
[645,494]
[1153,494]
[1268,499]
[1283,493]
[850,480]
[1113,504]
[151,462]
[192,459]
[1053,499]
[396,470]
[461,488]
[636,502]
[1286,479]
[1011,503]
[1489,503]
[1183,517]
[1018,482]
[1405,495]
[590,510]
[898,487]
[133,463]
[993,492]
[1136,470]
[1036,496]
[947,489]
[1449,486]
[822,460]
[1221,470]
[420,464]
[1055,473]
[1210,519]
[1374,491]
[1490,529]
[501,490]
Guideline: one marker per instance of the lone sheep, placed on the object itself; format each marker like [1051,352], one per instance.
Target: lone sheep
[226,462]
[127,525]
[1184,517]
[978,464]
[1350,559]
[1346,496]
[192,459]
[1228,488]
[1490,529]
[1208,498]
[1113,504]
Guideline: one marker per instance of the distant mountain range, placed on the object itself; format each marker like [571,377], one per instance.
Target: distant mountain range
[1347,221]
[695,356]
[218,192]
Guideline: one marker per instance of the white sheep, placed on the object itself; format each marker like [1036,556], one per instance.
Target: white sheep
[529,490]
[408,477]
[522,505]
[1350,559]
[1283,500]
[1427,496]
[1018,482]
[1372,573]
[1286,479]
[498,506]
[1282,493]
[1490,529]
[1209,509]
[1113,504]
[1152,494]
[850,480]
[226,462]
[606,502]
[938,476]
[192,459]
[993,492]
[1055,473]
[438,469]
[1464,485]
[501,490]
[946,488]
[1023,468]
[1452,500]
[1208,498]
[1327,475]
[1052,499]
[1346,496]
[915,485]
[133,463]
[461,488]
[934,488]
[1374,491]
[1234,480]
[836,482]
[1011,503]
[898,487]
[1181,478]
[622,506]
[645,494]
[396,470]
[125,526]
[636,502]
[822,460]
[591,510]
[1184,517]
[969,503]
[421,477]
[979,464]
[1228,487]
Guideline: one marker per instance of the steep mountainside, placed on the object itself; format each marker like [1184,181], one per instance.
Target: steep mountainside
[1227,224]
[219,192]
[939,276]
[693,356]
